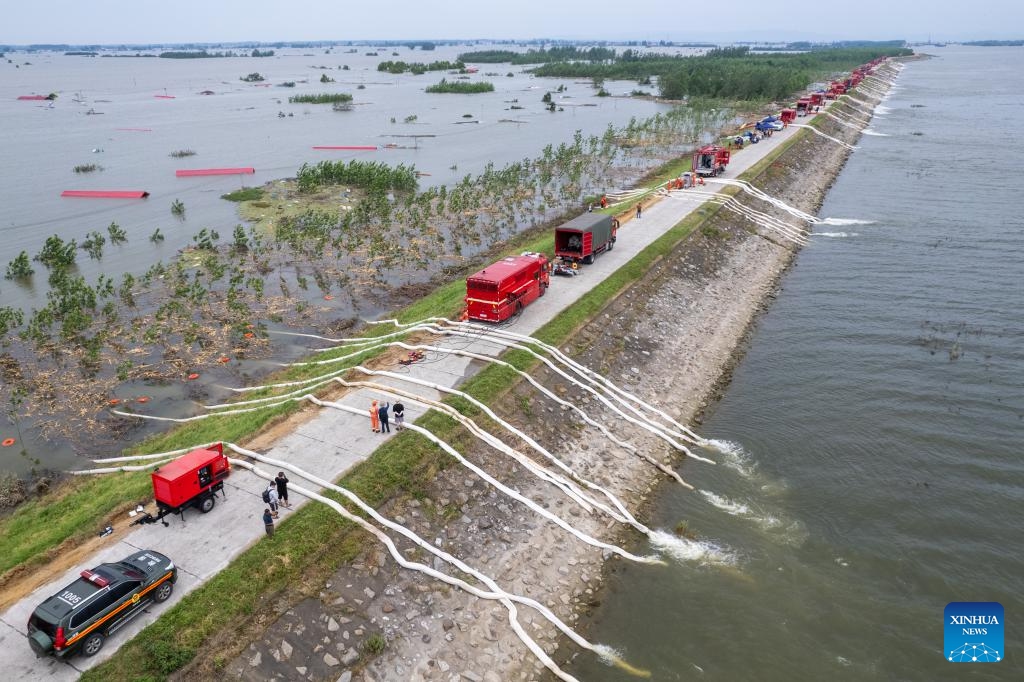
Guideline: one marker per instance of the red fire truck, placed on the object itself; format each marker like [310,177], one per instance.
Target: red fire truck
[710,160]
[503,289]
[192,480]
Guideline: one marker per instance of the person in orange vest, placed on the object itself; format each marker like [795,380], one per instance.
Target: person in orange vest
[604,201]
[374,418]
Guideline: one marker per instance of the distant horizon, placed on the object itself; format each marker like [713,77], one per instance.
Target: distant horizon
[121,22]
[415,42]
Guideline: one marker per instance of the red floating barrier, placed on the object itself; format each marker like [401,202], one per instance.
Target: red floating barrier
[104,194]
[360,148]
[214,171]
[164,96]
[32,98]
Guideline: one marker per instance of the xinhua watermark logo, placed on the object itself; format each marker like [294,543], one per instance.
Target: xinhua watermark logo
[974,632]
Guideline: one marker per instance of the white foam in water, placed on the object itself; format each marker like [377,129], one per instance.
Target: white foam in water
[725,504]
[845,221]
[736,457]
[686,550]
[872,133]
[836,234]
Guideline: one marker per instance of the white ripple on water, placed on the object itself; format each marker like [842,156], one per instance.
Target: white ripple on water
[872,133]
[733,508]
[839,235]
[684,549]
[725,504]
[735,457]
[846,221]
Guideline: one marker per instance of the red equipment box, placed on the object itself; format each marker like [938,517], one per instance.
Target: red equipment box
[191,480]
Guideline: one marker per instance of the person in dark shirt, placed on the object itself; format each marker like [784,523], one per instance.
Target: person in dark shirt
[282,488]
[268,522]
[399,412]
[382,414]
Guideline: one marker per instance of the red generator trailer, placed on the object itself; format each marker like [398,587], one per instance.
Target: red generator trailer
[803,106]
[192,480]
[788,115]
[710,160]
[585,236]
[503,289]
[817,98]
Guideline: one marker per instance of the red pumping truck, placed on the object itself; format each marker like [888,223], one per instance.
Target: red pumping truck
[710,160]
[503,289]
[585,236]
[191,480]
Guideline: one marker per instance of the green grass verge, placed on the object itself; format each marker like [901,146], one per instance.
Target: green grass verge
[314,538]
[405,463]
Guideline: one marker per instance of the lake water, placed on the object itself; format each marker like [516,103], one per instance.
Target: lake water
[877,419]
[146,108]
[239,126]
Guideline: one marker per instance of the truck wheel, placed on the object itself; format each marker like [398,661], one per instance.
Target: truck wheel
[163,593]
[206,504]
[543,289]
[92,644]
[611,245]
[588,260]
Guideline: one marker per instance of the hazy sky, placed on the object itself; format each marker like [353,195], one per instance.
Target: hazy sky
[145,21]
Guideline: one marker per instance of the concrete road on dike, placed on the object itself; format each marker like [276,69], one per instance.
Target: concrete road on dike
[327,446]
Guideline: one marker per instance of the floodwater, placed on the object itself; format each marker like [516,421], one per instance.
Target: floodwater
[876,420]
[128,114]
[136,129]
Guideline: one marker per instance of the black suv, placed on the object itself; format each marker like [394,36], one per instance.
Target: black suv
[87,611]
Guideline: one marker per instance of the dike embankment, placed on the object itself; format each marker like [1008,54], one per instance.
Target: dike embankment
[671,337]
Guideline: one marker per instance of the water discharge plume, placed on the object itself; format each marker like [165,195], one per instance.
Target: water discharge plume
[872,133]
[736,457]
[685,550]
[840,235]
[725,504]
[846,221]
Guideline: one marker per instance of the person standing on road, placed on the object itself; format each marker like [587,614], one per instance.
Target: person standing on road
[374,417]
[382,414]
[399,412]
[639,210]
[272,496]
[282,488]
[268,523]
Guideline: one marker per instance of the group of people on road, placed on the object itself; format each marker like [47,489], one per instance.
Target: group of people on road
[379,420]
[275,496]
